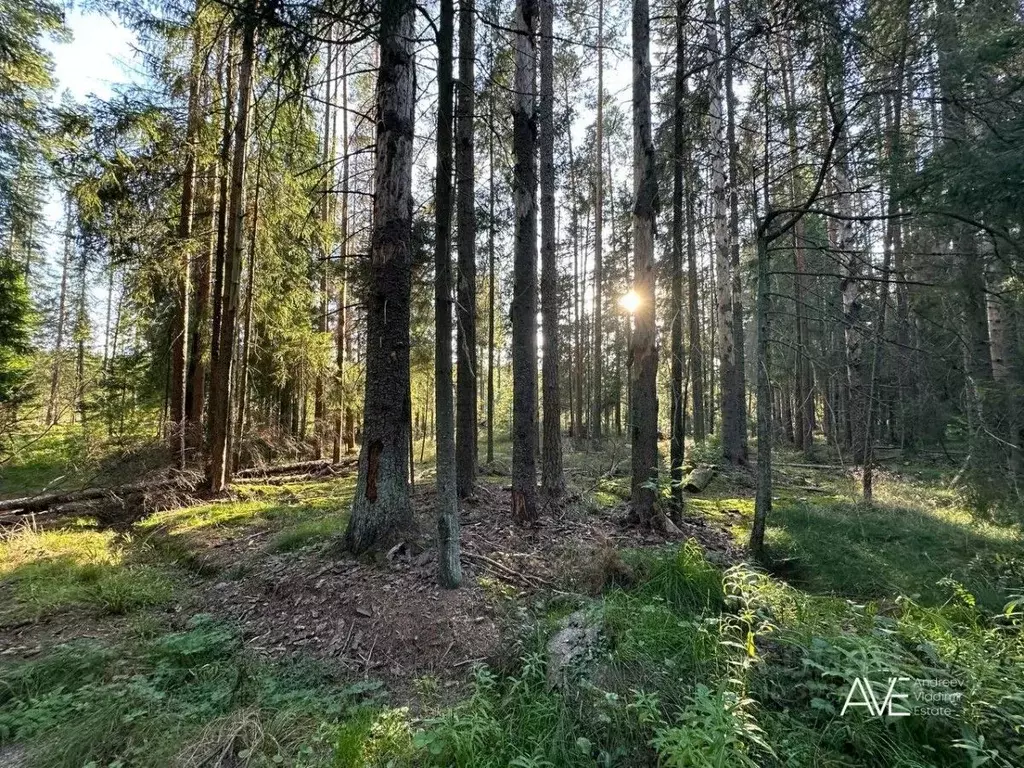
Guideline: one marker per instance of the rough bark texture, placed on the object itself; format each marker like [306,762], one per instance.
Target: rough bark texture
[491,226]
[802,379]
[223,197]
[552,480]
[739,385]
[524,289]
[449,568]
[343,417]
[199,346]
[220,385]
[381,510]
[179,321]
[320,324]
[693,306]
[466,392]
[763,494]
[732,449]
[53,407]
[596,360]
[678,151]
[644,353]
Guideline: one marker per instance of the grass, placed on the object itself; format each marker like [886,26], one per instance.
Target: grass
[293,516]
[694,666]
[915,535]
[50,571]
[190,697]
[66,456]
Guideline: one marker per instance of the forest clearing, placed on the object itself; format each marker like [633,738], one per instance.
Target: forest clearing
[511,384]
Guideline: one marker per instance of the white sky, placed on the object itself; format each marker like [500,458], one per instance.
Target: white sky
[93,61]
[98,56]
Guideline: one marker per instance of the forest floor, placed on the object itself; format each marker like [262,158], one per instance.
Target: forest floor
[235,632]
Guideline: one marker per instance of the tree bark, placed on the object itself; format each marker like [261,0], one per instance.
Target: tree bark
[739,386]
[696,353]
[381,510]
[524,291]
[466,384]
[552,479]
[199,344]
[491,275]
[597,404]
[223,204]
[731,405]
[320,324]
[765,429]
[644,353]
[53,404]
[220,385]
[449,568]
[679,149]
[179,323]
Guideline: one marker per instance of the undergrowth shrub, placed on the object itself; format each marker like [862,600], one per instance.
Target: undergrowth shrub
[681,576]
[716,729]
[185,698]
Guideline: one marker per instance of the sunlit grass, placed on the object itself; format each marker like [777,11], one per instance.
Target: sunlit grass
[299,514]
[74,566]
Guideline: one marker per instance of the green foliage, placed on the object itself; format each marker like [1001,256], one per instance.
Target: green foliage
[714,730]
[190,697]
[904,543]
[55,570]
[15,329]
[504,722]
[681,576]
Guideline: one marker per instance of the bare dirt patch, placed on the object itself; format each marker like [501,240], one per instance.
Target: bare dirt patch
[389,619]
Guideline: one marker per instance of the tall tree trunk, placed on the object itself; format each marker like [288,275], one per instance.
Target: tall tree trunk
[739,385]
[576,382]
[524,291]
[53,405]
[597,404]
[344,418]
[492,277]
[179,323]
[199,344]
[804,397]
[731,401]
[893,149]
[466,392]
[644,353]
[320,324]
[552,480]
[220,385]
[765,429]
[449,568]
[696,353]
[242,377]
[678,152]
[381,509]
[223,214]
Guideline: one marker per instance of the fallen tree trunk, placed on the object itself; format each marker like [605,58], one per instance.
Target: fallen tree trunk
[58,498]
[11,509]
[295,468]
[699,478]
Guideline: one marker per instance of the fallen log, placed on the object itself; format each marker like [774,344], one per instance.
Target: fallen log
[44,501]
[699,478]
[295,468]
[324,474]
[57,501]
